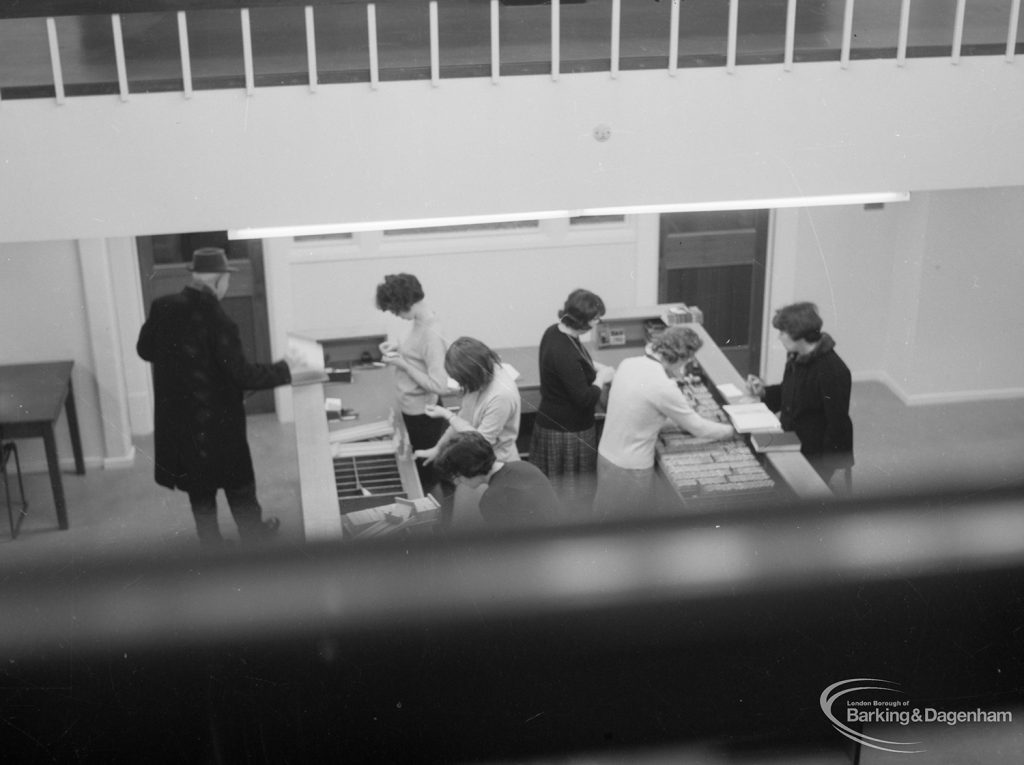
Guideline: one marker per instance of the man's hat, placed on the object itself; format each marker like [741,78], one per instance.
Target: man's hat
[210,260]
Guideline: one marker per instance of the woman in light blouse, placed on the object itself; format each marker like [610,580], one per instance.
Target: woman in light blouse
[490,406]
[418,360]
[490,401]
[644,398]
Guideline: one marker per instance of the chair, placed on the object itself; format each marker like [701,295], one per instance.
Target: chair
[6,451]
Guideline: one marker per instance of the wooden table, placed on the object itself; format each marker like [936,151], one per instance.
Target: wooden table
[31,398]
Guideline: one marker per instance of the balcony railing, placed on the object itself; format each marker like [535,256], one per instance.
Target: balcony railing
[121,47]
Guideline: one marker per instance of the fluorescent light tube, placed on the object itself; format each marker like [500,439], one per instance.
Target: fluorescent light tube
[271,232]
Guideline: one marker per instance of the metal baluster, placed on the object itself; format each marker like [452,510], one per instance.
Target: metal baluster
[734,16]
[1011,34]
[58,73]
[186,58]
[435,55]
[958,30]
[122,69]
[556,41]
[495,43]
[371,33]
[787,63]
[901,49]
[314,79]
[616,34]
[844,56]
[673,39]
[250,80]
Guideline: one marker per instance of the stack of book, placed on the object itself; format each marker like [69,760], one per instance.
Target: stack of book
[784,441]
[752,418]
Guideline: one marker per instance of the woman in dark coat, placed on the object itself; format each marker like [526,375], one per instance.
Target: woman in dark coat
[814,397]
[199,375]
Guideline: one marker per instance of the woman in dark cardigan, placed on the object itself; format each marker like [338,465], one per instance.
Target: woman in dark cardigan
[814,397]
[564,440]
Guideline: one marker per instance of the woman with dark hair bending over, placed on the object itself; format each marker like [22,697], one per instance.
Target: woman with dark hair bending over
[490,401]
[564,439]
[418,359]
[814,397]
[490,406]
[515,494]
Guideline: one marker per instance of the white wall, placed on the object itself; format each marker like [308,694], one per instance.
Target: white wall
[42,312]
[843,264]
[923,295]
[502,287]
[161,163]
[969,332]
[79,301]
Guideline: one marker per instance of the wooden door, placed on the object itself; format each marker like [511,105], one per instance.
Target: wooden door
[163,262]
[715,261]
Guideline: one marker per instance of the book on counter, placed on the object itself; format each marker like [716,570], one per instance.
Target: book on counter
[752,418]
[783,441]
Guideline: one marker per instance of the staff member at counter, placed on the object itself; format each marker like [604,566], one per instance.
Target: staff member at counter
[515,494]
[645,397]
[564,439]
[418,359]
[490,403]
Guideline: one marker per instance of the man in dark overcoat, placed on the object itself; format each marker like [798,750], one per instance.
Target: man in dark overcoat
[199,375]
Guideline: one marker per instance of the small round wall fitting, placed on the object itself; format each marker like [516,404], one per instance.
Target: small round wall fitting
[602,133]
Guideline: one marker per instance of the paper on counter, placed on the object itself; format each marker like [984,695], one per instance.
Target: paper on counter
[363,449]
[306,359]
[730,391]
[366,432]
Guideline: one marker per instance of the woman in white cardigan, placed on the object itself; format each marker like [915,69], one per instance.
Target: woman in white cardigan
[644,398]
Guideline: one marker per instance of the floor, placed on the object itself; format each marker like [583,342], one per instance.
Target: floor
[111,511]
[898,449]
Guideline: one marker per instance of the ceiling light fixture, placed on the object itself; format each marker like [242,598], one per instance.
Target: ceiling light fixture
[326,229]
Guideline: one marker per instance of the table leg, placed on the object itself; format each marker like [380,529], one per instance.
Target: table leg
[53,463]
[76,438]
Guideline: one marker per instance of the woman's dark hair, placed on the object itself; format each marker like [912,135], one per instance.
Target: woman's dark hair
[398,293]
[800,321]
[470,363]
[466,454]
[581,308]
[676,343]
